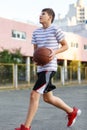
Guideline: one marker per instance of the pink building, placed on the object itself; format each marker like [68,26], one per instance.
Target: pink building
[77,48]
[15,35]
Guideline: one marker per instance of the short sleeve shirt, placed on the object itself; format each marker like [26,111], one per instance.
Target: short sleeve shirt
[50,38]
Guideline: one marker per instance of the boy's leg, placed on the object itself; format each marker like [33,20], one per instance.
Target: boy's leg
[72,113]
[33,106]
[56,101]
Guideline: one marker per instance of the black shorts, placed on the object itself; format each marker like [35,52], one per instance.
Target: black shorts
[44,83]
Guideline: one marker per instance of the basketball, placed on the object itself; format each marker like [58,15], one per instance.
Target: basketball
[42,55]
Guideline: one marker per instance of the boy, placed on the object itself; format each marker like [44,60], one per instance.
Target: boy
[48,36]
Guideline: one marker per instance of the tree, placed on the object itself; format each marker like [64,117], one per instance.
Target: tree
[74,65]
[7,57]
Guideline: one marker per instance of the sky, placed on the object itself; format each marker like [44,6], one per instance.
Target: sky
[29,10]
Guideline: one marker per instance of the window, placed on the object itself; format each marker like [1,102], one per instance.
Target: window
[18,34]
[85,47]
[82,10]
[82,14]
[75,45]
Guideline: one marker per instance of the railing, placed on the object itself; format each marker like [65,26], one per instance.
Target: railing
[16,76]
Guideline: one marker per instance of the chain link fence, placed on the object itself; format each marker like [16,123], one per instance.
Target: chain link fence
[17,76]
[6,75]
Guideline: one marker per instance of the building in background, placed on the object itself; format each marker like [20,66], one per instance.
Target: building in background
[77,14]
[17,35]
[75,20]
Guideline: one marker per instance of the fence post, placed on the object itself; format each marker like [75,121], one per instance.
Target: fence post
[62,76]
[15,75]
[65,70]
[28,69]
[79,72]
[79,75]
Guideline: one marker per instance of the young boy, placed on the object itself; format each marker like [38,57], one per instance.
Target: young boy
[48,36]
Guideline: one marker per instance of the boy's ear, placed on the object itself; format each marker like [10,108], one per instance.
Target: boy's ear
[50,17]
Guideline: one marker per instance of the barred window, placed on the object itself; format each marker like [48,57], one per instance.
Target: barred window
[18,34]
[75,45]
[85,47]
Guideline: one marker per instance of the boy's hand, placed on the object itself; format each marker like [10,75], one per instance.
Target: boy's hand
[51,55]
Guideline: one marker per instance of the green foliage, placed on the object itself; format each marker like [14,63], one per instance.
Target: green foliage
[74,65]
[8,57]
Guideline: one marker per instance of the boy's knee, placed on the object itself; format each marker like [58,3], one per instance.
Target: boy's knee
[46,99]
[34,96]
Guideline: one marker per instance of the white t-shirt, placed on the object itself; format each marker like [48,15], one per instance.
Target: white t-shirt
[50,38]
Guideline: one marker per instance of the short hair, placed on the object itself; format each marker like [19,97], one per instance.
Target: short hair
[50,12]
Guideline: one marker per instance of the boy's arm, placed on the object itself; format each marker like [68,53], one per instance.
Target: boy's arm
[64,47]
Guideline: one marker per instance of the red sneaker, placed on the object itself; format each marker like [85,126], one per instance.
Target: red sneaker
[72,116]
[22,127]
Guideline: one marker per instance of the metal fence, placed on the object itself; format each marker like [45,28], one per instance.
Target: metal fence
[16,76]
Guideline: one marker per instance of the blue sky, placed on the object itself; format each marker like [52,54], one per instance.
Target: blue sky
[30,9]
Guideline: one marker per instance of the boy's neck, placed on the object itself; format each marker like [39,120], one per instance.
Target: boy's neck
[46,25]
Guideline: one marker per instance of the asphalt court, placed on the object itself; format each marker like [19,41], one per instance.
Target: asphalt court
[14,105]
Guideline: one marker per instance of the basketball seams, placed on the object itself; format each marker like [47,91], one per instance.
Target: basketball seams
[41,55]
[45,54]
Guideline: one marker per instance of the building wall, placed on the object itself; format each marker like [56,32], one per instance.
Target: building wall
[8,42]
[76,49]
[76,43]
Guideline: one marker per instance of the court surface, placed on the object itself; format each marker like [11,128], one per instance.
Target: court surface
[14,105]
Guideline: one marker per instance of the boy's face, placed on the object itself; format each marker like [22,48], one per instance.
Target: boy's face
[44,17]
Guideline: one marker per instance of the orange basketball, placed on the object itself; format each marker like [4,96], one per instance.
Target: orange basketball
[42,55]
